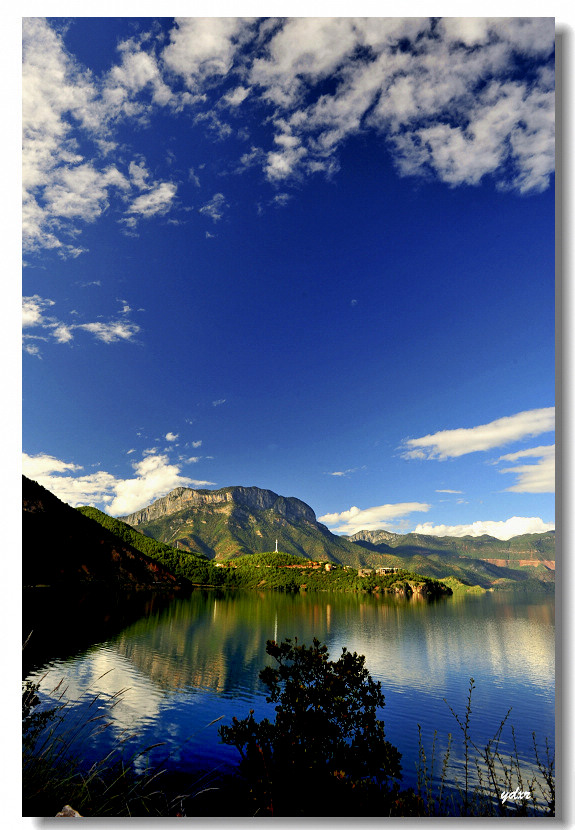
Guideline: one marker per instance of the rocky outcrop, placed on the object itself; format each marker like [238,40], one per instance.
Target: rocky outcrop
[252,498]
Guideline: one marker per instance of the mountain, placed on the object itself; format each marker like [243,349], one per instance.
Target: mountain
[63,547]
[529,546]
[484,560]
[235,521]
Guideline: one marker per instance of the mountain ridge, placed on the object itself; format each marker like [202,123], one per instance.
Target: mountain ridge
[63,547]
[235,521]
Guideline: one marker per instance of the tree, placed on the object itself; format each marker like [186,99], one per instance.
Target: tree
[326,739]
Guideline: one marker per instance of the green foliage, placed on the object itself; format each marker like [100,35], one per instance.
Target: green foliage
[326,735]
[191,567]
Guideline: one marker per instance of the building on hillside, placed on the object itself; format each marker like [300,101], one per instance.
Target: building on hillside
[382,571]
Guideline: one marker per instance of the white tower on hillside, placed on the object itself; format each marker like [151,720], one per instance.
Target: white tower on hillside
[277,551]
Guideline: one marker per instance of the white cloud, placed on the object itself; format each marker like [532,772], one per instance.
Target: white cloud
[32,310]
[203,48]
[236,96]
[196,444]
[449,491]
[515,526]
[219,403]
[453,443]
[170,436]
[111,332]
[154,477]
[215,207]
[36,466]
[372,518]
[533,478]
[156,201]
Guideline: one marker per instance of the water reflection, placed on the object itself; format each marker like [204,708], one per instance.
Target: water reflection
[194,659]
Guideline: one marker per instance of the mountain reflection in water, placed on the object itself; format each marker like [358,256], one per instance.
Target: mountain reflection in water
[187,661]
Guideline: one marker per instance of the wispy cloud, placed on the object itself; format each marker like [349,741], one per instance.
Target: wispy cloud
[453,443]
[215,207]
[532,478]
[515,526]
[219,402]
[381,517]
[459,492]
[34,317]
[345,473]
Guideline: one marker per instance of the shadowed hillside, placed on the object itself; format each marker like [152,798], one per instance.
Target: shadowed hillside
[63,547]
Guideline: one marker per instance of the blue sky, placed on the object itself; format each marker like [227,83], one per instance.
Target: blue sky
[310,255]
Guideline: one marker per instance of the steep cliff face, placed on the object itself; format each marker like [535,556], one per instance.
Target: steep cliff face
[252,498]
[235,521]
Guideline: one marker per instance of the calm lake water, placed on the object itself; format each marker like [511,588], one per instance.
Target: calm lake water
[184,662]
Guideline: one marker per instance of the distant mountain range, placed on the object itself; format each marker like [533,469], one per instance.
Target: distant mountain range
[234,521]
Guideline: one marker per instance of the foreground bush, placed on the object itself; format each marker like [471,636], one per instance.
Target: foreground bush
[326,752]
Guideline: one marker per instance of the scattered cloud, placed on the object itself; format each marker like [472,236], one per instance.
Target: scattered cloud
[453,443]
[383,517]
[34,316]
[154,477]
[450,491]
[515,526]
[219,403]
[196,444]
[68,118]
[453,99]
[170,436]
[532,478]
[447,104]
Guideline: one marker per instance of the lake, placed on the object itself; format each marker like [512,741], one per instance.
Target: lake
[187,661]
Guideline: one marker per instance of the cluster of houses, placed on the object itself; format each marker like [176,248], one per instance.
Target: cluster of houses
[378,571]
[310,564]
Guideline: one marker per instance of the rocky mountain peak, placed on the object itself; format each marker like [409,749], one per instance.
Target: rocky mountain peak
[252,498]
